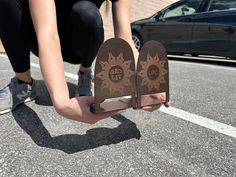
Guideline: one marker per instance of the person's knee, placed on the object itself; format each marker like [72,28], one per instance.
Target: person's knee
[86,31]
[5,8]
[5,4]
[9,6]
[86,13]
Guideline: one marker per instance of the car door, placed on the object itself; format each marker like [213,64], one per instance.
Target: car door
[173,26]
[213,29]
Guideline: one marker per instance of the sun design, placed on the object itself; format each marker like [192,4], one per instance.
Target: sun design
[115,73]
[153,72]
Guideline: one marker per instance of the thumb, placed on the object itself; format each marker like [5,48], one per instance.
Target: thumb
[88,100]
[168,104]
[108,114]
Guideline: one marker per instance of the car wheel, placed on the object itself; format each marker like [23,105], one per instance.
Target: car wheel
[137,40]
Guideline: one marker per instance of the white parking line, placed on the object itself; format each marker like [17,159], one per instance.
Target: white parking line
[181,114]
[202,121]
[204,65]
[206,58]
[69,75]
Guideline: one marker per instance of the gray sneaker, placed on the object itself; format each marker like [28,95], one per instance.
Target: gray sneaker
[15,94]
[85,84]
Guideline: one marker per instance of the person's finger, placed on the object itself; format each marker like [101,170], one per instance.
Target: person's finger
[88,99]
[107,114]
[159,96]
[152,108]
[112,113]
[168,104]
[149,109]
[146,108]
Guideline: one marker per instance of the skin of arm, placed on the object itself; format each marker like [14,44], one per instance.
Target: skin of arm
[43,13]
[121,21]
[121,11]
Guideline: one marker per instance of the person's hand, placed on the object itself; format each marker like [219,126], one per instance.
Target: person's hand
[78,109]
[160,97]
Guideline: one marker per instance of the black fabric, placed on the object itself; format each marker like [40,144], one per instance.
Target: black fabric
[11,34]
[99,2]
[80,29]
[23,82]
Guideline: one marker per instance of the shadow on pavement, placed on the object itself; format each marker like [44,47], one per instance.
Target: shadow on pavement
[43,95]
[29,121]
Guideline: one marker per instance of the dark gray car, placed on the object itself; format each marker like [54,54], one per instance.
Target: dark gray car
[192,26]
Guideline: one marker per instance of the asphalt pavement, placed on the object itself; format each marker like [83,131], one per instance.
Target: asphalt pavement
[196,137]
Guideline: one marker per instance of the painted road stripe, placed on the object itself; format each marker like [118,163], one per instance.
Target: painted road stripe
[199,120]
[69,75]
[181,114]
[204,65]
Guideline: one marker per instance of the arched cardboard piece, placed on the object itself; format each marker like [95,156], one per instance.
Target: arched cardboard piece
[114,76]
[152,74]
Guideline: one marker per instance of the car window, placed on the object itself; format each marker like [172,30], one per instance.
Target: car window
[218,5]
[185,8]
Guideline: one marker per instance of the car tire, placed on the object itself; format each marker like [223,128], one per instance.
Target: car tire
[137,40]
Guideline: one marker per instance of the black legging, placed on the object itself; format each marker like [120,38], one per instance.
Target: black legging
[80,30]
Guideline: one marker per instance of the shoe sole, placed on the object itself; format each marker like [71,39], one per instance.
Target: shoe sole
[10,110]
[114,76]
[152,74]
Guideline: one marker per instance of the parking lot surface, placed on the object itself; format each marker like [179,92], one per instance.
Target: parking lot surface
[195,137]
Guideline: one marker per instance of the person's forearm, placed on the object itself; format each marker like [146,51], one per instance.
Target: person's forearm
[52,68]
[121,21]
[43,13]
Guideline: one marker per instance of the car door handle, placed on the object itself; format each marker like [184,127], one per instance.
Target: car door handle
[229,29]
[185,20]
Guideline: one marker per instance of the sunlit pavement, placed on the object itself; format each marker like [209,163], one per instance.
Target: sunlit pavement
[195,137]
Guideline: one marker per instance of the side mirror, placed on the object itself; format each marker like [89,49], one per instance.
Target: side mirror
[157,16]
[184,9]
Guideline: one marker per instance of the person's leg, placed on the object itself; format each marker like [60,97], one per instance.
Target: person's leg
[21,88]
[87,35]
[11,34]
[86,31]
[84,34]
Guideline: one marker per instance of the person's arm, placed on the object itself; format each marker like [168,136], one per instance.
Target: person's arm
[43,14]
[121,21]
[122,29]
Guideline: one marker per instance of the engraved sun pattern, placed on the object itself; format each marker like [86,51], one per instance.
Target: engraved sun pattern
[156,64]
[115,74]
